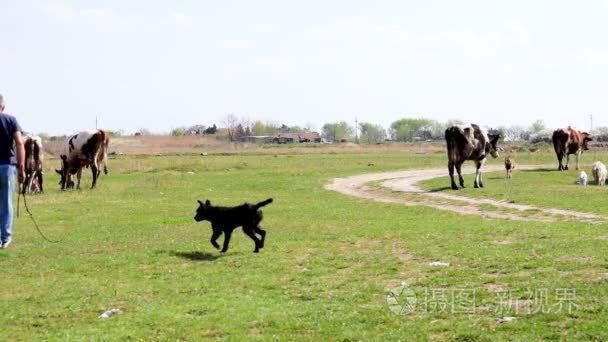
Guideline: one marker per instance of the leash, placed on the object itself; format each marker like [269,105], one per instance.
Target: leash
[31,216]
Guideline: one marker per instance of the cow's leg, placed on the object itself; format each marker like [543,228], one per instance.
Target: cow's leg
[567,162]
[95,172]
[451,171]
[560,157]
[459,170]
[578,155]
[478,176]
[40,181]
[78,176]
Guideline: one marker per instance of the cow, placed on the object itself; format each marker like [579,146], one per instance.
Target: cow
[80,150]
[469,143]
[34,156]
[567,141]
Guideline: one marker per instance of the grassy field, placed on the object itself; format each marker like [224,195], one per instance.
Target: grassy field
[544,187]
[326,270]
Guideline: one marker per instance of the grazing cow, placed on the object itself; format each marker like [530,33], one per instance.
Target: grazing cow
[599,173]
[567,141]
[80,150]
[510,166]
[34,157]
[469,143]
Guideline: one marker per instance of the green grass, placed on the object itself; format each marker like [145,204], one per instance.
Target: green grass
[545,187]
[323,275]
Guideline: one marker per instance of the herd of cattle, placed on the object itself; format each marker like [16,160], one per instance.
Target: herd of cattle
[474,143]
[90,149]
[79,150]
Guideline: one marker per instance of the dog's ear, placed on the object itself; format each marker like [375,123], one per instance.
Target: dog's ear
[207,203]
[199,202]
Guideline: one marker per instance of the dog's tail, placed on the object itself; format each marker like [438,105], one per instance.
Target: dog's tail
[263,203]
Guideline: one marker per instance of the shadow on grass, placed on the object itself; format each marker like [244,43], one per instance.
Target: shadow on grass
[443,188]
[196,255]
[544,169]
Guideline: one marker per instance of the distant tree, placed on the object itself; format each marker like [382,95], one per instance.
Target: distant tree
[407,129]
[453,122]
[231,122]
[516,133]
[502,132]
[258,128]
[240,132]
[210,130]
[178,132]
[337,131]
[537,126]
[143,131]
[372,133]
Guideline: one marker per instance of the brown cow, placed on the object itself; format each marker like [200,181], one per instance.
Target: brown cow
[567,141]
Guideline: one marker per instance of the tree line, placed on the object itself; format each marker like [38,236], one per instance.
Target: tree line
[401,130]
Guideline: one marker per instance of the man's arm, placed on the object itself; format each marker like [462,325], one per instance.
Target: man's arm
[20,151]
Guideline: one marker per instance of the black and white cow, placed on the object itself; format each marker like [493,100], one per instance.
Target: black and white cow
[34,156]
[469,143]
[83,149]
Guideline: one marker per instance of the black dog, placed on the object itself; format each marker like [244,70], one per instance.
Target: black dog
[226,219]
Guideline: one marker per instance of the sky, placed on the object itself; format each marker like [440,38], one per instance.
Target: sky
[159,65]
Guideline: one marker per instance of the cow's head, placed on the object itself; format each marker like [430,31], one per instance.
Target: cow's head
[586,140]
[491,145]
[201,212]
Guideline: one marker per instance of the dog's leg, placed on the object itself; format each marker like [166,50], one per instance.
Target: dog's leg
[249,232]
[214,237]
[262,233]
[227,235]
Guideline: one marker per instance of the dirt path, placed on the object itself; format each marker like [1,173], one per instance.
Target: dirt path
[403,189]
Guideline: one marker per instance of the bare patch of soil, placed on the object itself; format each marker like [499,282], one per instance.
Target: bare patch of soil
[406,182]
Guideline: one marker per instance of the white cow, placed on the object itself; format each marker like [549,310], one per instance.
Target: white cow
[83,149]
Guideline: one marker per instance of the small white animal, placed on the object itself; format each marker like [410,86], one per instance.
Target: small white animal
[582,178]
[599,171]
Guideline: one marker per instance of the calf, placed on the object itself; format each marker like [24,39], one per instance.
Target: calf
[509,166]
[567,141]
[469,143]
[34,156]
[83,149]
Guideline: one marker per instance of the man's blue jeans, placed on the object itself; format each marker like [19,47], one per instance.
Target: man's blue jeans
[7,185]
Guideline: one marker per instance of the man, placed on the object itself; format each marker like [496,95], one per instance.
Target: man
[11,141]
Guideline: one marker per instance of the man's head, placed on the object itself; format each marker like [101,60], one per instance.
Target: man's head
[1,103]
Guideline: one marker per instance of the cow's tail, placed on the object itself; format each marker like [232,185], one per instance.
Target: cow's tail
[263,203]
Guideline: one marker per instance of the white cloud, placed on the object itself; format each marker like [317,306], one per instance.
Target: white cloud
[521,33]
[238,44]
[183,22]
[102,19]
